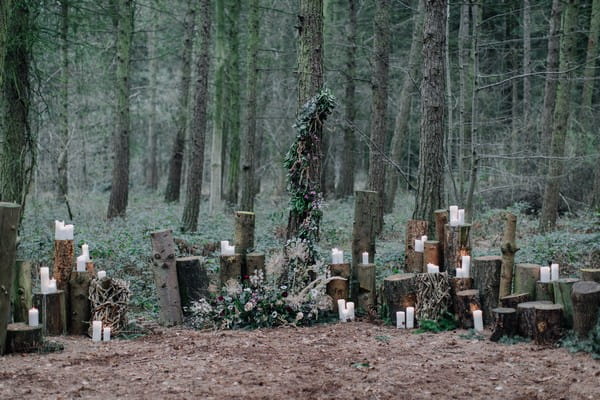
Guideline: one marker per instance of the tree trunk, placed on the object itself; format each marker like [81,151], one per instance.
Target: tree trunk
[165,277]
[526,317]
[526,275]
[529,140]
[9,225]
[590,274]
[441,219]
[21,291]
[562,295]
[590,72]
[486,278]
[399,292]
[176,160]
[508,248]
[464,69]
[544,291]
[363,232]
[548,318]
[22,338]
[413,261]
[431,254]
[191,208]
[505,323]
[244,232]
[367,296]
[64,259]
[193,281]
[568,49]
[80,314]
[457,244]
[231,268]
[586,306]
[63,148]
[467,301]
[255,262]
[152,136]
[53,312]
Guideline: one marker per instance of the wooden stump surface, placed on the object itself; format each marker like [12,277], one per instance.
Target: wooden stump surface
[585,297]
[22,338]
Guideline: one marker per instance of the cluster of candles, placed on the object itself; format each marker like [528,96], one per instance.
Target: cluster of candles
[405,320]
[464,270]
[457,216]
[62,231]
[337,256]
[550,273]
[47,285]
[226,249]
[420,244]
[97,331]
[345,310]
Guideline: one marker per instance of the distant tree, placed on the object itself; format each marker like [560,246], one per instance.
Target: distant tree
[151,132]
[63,155]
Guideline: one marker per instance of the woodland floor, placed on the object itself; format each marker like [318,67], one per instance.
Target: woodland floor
[337,361]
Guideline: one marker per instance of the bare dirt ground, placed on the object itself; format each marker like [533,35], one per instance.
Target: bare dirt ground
[337,361]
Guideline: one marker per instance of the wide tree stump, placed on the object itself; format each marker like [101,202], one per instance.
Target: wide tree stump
[243,237]
[513,300]
[53,312]
[466,302]
[526,275]
[21,291]
[9,224]
[505,323]
[413,261]
[431,254]
[22,338]
[457,244]
[165,277]
[486,278]
[364,232]
[366,286]
[590,274]
[231,268]
[548,318]
[64,262]
[585,298]
[562,295]
[193,280]
[526,317]
[339,288]
[399,292]
[544,291]
[508,249]
[255,262]
[441,219]
[79,291]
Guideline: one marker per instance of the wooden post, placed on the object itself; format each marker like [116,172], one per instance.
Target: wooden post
[64,260]
[467,302]
[243,237]
[457,244]
[585,297]
[431,254]
[79,292]
[22,338]
[339,288]
[505,323]
[590,274]
[231,268]
[364,233]
[526,317]
[526,275]
[165,277]
[21,291]
[399,292]
[562,295]
[544,291]
[441,219]
[193,280]
[513,300]
[508,248]
[366,287]
[548,318]
[458,285]
[53,312]
[413,261]
[255,262]
[9,224]
[486,279]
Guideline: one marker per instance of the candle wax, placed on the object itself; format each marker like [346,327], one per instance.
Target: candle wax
[96,330]
[34,317]
[410,317]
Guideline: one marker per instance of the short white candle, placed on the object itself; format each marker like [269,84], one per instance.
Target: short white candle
[453,215]
[410,317]
[432,268]
[34,317]
[424,239]
[224,245]
[68,232]
[96,331]
[44,279]
[400,321]
[461,216]
[59,230]
[341,308]
[555,272]
[340,259]
[466,265]
[106,335]
[365,257]
[81,260]
[350,310]
[52,286]
[101,274]
[478,320]
[459,273]
[85,251]
[545,274]
[419,245]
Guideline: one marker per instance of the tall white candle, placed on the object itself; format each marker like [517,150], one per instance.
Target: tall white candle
[478,320]
[453,215]
[96,331]
[419,245]
[466,265]
[365,258]
[461,216]
[85,251]
[554,272]
[341,308]
[106,335]
[459,273]
[52,286]
[410,317]
[68,232]
[44,279]
[350,310]
[545,274]
[101,274]
[81,260]
[224,245]
[34,317]
[400,320]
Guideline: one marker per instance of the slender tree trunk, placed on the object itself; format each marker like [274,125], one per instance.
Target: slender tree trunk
[5,7]
[152,162]
[63,148]
[329,139]
[191,210]
[119,192]
[176,160]
[527,72]
[590,73]
[568,48]
[431,154]
[381,62]
[233,109]
[463,112]
[249,158]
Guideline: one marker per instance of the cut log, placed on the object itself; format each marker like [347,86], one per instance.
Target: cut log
[458,285]
[526,275]
[64,261]
[513,300]
[441,219]
[243,237]
[399,292]
[562,295]
[231,268]
[9,224]
[53,312]
[165,277]
[466,302]
[486,273]
[505,323]
[79,289]
[366,287]
[544,291]
[457,244]
[364,233]
[21,291]
[526,317]
[585,297]
[590,274]
[255,262]
[339,288]
[548,319]
[431,254]
[508,248]
[22,338]
[413,261]
[193,281]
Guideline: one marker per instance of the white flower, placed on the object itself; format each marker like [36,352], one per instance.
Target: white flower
[249,306]
[233,288]
[274,314]
[299,316]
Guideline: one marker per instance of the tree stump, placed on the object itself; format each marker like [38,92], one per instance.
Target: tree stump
[544,291]
[413,261]
[243,237]
[339,288]
[513,300]
[399,292]
[562,295]
[548,318]
[231,268]
[457,244]
[64,261]
[255,262]
[590,274]
[22,338]
[79,292]
[466,302]
[458,285]
[508,248]
[585,298]
[53,312]
[366,286]
[486,272]
[526,275]
[9,224]
[505,323]
[441,219]
[364,232]
[431,254]
[193,280]
[526,317]
[165,277]
[21,291]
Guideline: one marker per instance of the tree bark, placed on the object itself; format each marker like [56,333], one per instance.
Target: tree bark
[9,224]
[231,268]
[367,296]
[53,312]
[441,219]
[508,248]
[165,277]
[590,72]
[21,291]
[63,148]
[486,278]
[526,275]
[467,301]
[193,281]
[244,232]
[513,300]
[255,262]
[80,310]
[548,318]
[22,338]
[586,306]
[457,244]
[544,291]
[364,231]
[590,274]
[64,258]
[399,292]
[505,323]
[529,140]
[339,288]
[413,261]
[562,295]
[431,254]
[464,69]
[526,317]
[152,135]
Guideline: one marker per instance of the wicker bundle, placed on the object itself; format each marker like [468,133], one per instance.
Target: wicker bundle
[433,295]
[109,299]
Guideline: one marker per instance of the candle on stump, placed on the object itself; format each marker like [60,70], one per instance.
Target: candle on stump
[96,330]
[44,279]
[81,261]
[101,274]
[224,245]
[478,320]
[460,273]
[365,257]
[400,321]
[85,251]
[453,215]
[461,216]
[466,265]
[555,272]
[350,310]
[59,227]
[106,335]
[410,317]
[341,308]
[68,232]
[337,256]
[34,317]
[52,286]
[419,245]
[544,274]
[432,268]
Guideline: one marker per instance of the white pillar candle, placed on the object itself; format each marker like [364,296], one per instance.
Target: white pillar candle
[432,268]
[424,239]
[52,286]
[400,321]
[410,317]
[34,317]
[224,245]
[461,216]
[478,320]
[459,273]
[96,330]
[341,308]
[106,335]
[365,258]
[101,274]
[341,258]
[81,260]
[44,279]
[350,310]
[68,232]
[58,230]
[85,251]
[555,273]
[453,215]
[466,265]
[545,274]
[419,245]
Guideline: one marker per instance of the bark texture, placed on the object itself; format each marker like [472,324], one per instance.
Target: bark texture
[53,312]
[413,261]
[80,310]
[562,295]
[22,338]
[9,223]
[21,291]
[364,231]
[508,248]
[193,280]
[399,292]
[585,298]
[486,278]
[165,277]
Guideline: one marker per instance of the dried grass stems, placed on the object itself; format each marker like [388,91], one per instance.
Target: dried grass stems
[433,295]
[109,299]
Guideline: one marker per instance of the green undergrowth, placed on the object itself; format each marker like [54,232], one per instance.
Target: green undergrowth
[591,344]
